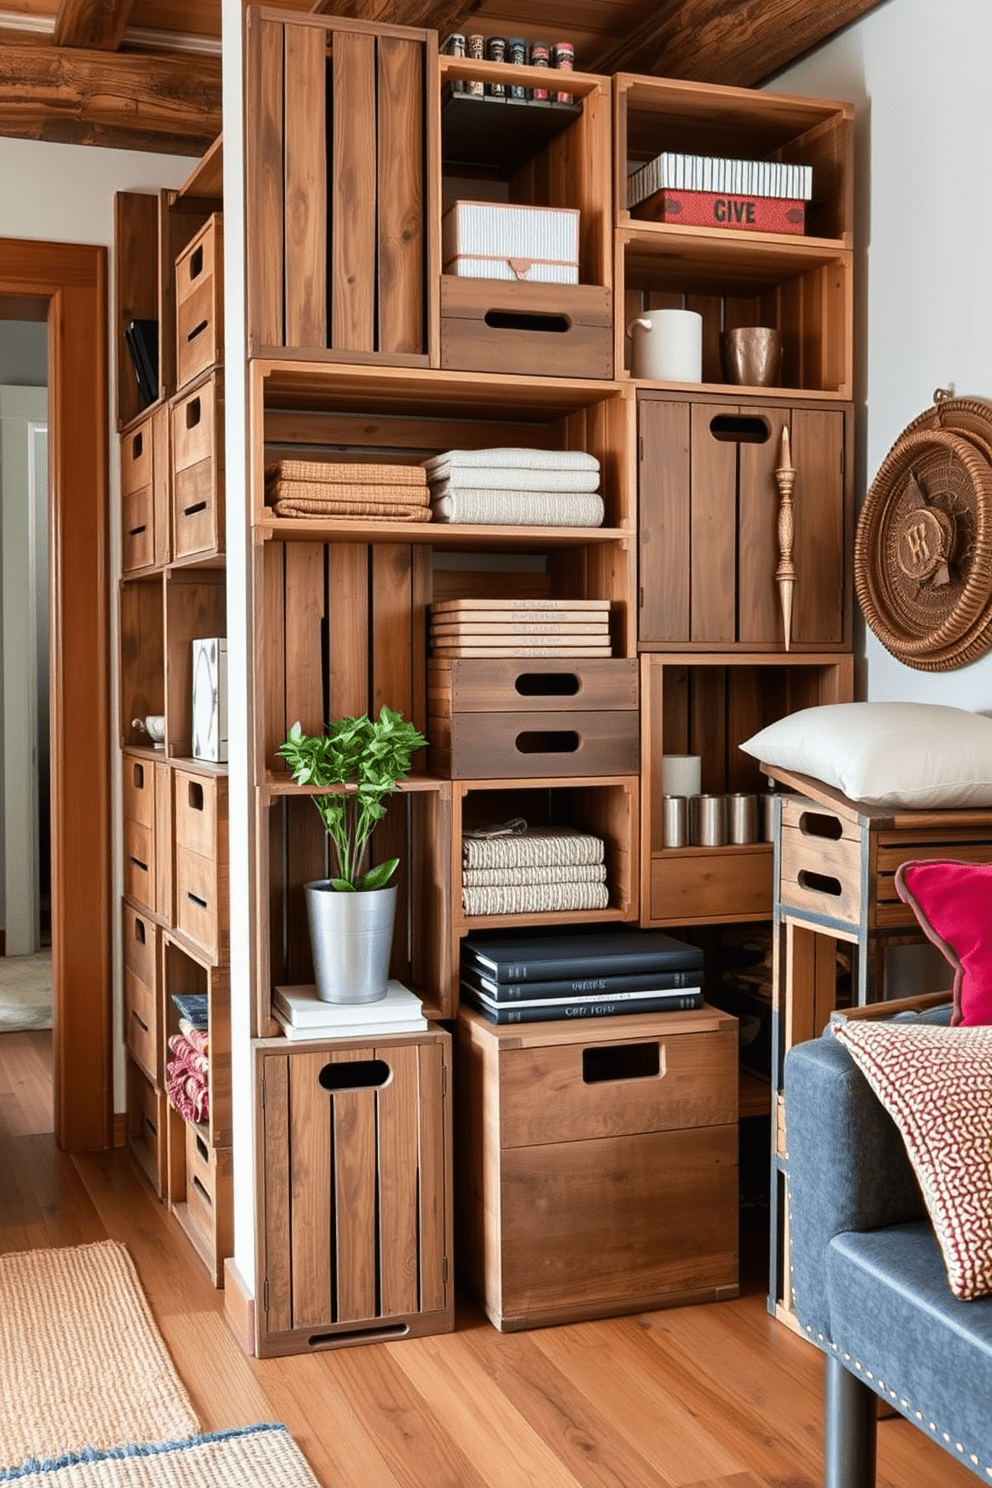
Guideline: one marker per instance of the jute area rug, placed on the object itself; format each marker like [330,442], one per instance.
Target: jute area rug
[89,1397]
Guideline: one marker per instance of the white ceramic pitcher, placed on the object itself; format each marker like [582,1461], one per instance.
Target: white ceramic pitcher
[667,346]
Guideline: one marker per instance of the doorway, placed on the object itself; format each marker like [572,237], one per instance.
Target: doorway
[64,286]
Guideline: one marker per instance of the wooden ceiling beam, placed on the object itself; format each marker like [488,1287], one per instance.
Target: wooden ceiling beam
[125,100]
[723,41]
[94,24]
[442,16]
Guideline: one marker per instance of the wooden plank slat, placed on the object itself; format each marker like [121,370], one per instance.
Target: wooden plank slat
[353,206]
[348,630]
[305,206]
[435,1182]
[355,1182]
[818,504]
[265,184]
[310,1121]
[397,1105]
[304,635]
[664,521]
[400,195]
[276,1211]
[713,529]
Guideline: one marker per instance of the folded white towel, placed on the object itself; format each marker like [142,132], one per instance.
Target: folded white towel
[503,478]
[508,459]
[521,508]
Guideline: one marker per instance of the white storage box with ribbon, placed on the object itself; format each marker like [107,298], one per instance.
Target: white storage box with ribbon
[493,240]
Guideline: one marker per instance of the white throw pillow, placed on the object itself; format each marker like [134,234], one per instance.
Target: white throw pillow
[913,755]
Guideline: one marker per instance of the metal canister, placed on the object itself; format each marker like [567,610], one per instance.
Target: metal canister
[454,46]
[496,52]
[563,59]
[540,56]
[475,46]
[708,821]
[742,817]
[516,52]
[674,821]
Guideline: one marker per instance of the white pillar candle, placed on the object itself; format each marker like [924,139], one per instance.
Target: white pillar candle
[680,774]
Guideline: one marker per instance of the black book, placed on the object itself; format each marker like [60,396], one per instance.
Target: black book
[578,1008]
[141,337]
[600,986]
[561,957]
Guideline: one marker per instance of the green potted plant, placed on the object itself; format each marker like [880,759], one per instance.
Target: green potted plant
[358,761]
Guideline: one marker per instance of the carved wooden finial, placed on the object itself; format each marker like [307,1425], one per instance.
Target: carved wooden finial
[785,574]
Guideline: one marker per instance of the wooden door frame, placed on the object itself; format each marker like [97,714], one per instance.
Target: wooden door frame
[65,285]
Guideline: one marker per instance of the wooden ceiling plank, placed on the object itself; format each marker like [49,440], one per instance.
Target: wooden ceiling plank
[442,16]
[127,100]
[95,24]
[722,41]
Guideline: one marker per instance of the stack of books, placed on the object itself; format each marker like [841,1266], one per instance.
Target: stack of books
[580,976]
[705,191]
[493,627]
[302,1015]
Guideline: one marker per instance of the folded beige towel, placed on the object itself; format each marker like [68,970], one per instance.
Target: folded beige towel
[350,472]
[390,511]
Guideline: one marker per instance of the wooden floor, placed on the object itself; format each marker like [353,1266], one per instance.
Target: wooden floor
[717,1396]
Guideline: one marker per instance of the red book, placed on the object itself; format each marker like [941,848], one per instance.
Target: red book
[710,209]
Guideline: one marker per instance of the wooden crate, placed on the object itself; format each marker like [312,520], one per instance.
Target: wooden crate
[184,971]
[146,1126]
[340,165]
[201,859]
[354,1244]
[597,1165]
[708,525]
[142,655]
[203,1193]
[198,470]
[195,606]
[708,705]
[200,302]
[561,330]
[142,991]
[145,514]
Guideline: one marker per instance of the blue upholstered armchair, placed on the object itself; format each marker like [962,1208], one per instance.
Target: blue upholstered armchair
[868,1281]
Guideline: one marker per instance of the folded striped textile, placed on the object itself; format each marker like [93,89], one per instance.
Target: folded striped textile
[195,1035]
[189,1093]
[506,478]
[440,466]
[502,878]
[347,472]
[535,847]
[521,508]
[191,1058]
[393,511]
[338,491]
[535,898]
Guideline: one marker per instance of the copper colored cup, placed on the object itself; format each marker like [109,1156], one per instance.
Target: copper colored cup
[752,356]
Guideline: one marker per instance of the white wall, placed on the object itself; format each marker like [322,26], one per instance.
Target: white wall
[919,77]
[65,194]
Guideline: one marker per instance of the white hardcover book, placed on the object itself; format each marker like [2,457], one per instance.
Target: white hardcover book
[210,699]
[368,1030]
[301,1007]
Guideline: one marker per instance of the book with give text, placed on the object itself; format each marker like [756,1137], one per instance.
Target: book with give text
[778,214]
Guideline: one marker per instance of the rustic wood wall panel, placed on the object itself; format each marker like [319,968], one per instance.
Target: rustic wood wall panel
[265,184]
[305,187]
[400,196]
[304,630]
[347,629]
[353,208]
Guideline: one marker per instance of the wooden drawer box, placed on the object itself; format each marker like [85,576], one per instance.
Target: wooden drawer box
[508,719]
[355,1242]
[147,814]
[596,1165]
[204,1204]
[200,302]
[556,330]
[710,885]
[145,534]
[198,471]
[201,871]
[146,1125]
[141,991]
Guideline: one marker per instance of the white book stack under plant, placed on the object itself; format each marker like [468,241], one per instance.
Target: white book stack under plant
[301,1014]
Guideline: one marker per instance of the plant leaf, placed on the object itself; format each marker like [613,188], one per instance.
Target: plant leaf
[378,876]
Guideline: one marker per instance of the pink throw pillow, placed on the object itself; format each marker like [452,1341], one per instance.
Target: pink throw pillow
[953,903]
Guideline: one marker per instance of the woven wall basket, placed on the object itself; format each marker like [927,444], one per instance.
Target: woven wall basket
[923,546]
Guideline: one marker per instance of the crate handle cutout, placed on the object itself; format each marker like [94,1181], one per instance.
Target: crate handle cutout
[197,331]
[193,409]
[740,428]
[191,511]
[195,796]
[201,1149]
[139,931]
[560,741]
[136,444]
[547,684]
[140,1021]
[812,824]
[820,883]
[138,776]
[196,262]
[522,320]
[361,1074]
[194,899]
[137,863]
[149,1123]
[137,531]
[202,1192]
[370,1335]
[622,1062]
